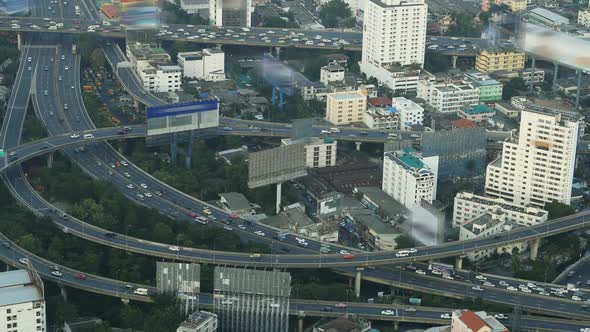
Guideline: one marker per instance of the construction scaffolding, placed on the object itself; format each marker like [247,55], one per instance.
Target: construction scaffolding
[251,300]
[461,152]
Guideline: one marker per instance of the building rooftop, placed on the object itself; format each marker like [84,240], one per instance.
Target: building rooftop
[22,294]
[406,158]
[473,321]
[380,101]
[502,204]
[549,15]
[304,140]
[373,222]
[289,217]
[13,278]
[333,67]
[463,123]
[236,201]
[345,95]
[340,324]
[382,200]
[477,109]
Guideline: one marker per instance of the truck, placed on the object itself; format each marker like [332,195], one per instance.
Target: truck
[74,49]
[140,291]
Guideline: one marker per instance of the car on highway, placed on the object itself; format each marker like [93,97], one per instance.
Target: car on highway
[477,288]
[45,93]
[130,186]
[88,136]
[229,228]
[143,185]
[576,298]
[24,260]
[500,316]
[74,136]
[585,329]
[206,211]
[421,272]
[511,288]
[59,78]
[240,226]
[124,163]
[110,234]
[348,257]
[445,316]
[65,106]
[146,194]
[260,233]
[344,252]
[388,312]
[56,273]
[126,174]
[328,309]
[340,305]
[174,248]
[157,192]
[55,267]
[503,283]
[80,276]
[254,255]
[410,309]
[448,277]
[480,277]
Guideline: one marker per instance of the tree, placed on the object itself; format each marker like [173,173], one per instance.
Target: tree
[464,26]
[514,87]
[404,241]
[335,14]
[558,210]
[436,62]
[274,22]
[97,59]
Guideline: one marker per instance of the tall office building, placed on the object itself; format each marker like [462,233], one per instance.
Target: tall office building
[22,303]
[537,167]
[251,300]
[394,31]
[232,13]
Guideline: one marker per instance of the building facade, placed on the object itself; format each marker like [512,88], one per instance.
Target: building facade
[468,206]
[207,64]
[477,113]
[410,113]
[318,152]
[584,18]
[231,13]
[195,6]
[332,72]
[489,89]
[537,167]
[345,107]
[22,303]
[469,321]
[514,5]
[489,61]
[381,118]
[200,321]
[251,300]
[408,178]
[448,97]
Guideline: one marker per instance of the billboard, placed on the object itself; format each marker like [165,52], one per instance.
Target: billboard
[567,50]
[14,6]
[172,118]
[140,14]
[276,165]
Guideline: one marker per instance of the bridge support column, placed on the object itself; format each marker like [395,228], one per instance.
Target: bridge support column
[396,326]
[136,105]
[578,86]
[19,40]
[173,149]
[125,301]
[278,207]
[458,263]
[555,70]
[357,283]
[50,160]
[533,60]
[358,145]
[7,267]
[189,151]
[300,322]
[278,50]
[454,59]
[534,247]
[63,292]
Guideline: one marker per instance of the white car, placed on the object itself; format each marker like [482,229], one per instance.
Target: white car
[56,273]
[74,136]
[143,185]
[500,316]
[477,288]
[576,298]
[448,277]
[503,283]
[412,250]
[240,226]
[228,228]
[174,248]
[388,312]
[421,272]
[480,277]
[489,284]
[24,260]
[148,195]
[445,316]
[436,272]
[130,186]
[585,329]
[525,290]
[260,233]
[344,252]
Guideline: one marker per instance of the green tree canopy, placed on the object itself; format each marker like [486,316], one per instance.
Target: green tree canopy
[335,14]
[514,87]
[436,62]
[558,210]
[464,26]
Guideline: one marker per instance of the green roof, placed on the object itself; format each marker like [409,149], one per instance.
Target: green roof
[411,161]
[478,109]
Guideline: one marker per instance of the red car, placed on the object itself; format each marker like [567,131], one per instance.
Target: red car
[191,214]
[80,276]
[340,305]
[233,216]
[348,256]
[117,164]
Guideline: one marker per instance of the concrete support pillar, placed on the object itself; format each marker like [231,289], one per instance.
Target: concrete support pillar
[455,58]
[357,283]
[458,263]
[19,41]
[534,247]
[358,145]
[136,104]
[300,329]
[278,49]
[555,70]
[7,267]
[125,301]
[279,187]
[533,60]
[173,149]
[50,160]
[63,292]
[578,88]
[350,282]
[396,326]
[189,151]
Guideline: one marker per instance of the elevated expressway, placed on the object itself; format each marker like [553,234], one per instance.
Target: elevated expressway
[389,280]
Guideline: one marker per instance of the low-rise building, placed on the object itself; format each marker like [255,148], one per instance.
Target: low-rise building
[195,6]
[293,219]
[489,89]
[384,205]
[345,107]
[408,177]
[507,109]
[469,321]
[409,112]
[230,155]
[378,234]
[400,79]
[477,113]
[207,64]
[333,72]
[344,324]
[489,224]
[584,18]
[468,206]
[514,5]
[448,97]
[200,321]
[547,17]
[526,74]
[22,306]
[491,60]
[319,152]
[236,203]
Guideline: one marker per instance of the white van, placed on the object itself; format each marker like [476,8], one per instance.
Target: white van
[88,136]
[335,130]
[140,291]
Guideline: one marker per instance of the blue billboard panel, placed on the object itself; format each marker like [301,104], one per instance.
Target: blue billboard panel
[165,119]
